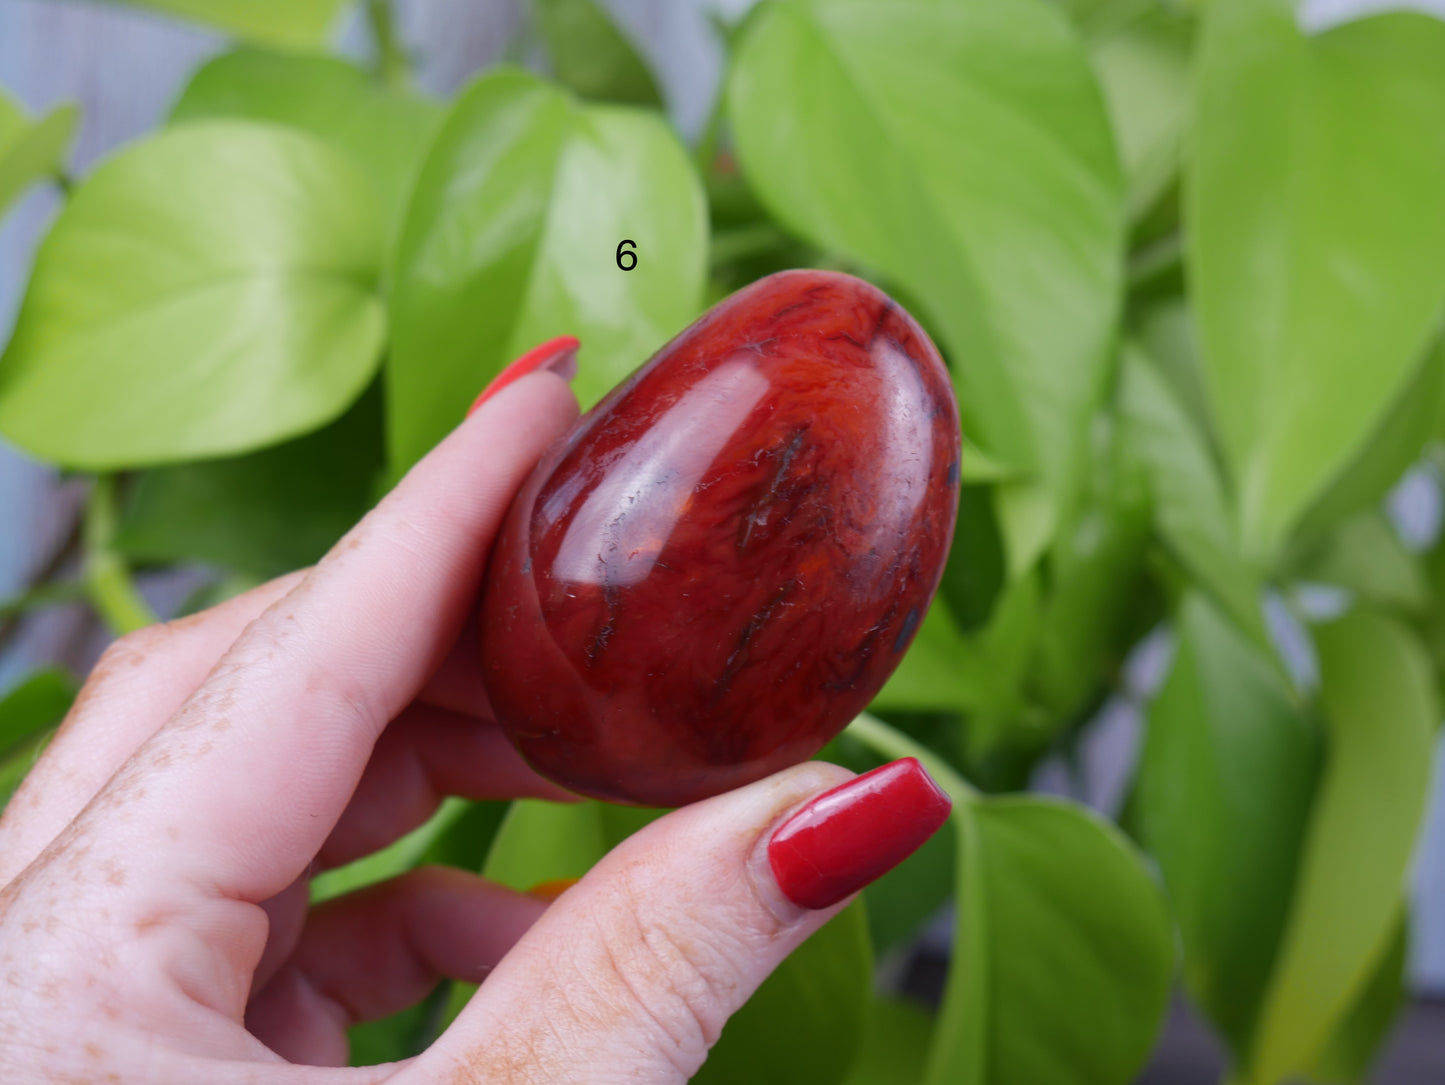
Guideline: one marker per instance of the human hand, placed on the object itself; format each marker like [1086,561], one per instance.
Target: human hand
[154,923]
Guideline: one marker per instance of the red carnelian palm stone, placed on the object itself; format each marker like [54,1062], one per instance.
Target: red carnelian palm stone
[729,555]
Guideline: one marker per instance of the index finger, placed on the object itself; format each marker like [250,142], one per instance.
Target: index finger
[241,787]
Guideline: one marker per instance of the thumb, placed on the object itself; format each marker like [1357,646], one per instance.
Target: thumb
[631,974]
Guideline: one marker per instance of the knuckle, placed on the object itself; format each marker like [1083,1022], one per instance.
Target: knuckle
[120,662]
[675,968]
[700,990]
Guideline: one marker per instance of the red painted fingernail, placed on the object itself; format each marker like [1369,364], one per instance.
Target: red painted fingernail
[859,831]
[558,355]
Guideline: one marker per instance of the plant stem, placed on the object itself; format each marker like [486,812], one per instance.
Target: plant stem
[391,63]
[108,582]
[891,742]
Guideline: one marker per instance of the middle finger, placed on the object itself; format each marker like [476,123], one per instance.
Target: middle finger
[426,754]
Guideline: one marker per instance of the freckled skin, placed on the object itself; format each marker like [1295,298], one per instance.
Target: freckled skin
[727,557]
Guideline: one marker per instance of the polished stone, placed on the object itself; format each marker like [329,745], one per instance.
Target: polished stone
[724,561]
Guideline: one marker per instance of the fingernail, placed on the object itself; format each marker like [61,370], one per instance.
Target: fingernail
[559,355]
[551,889]
[855,833]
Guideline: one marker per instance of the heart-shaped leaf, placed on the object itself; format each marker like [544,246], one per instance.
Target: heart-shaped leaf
[1063,951]
[512,238]
[265,513]
[209,290]
[1378,701]
[1317,255]
[384,128]
[1223,799]
[592,55]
